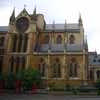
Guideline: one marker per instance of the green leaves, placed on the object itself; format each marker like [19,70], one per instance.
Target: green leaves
[31,76]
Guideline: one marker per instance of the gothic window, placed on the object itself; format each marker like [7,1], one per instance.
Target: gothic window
[41,60]
[42,67]
[25,43]
[1,63]
[98,74]
[11,64]
[46,39]
[73,68]
[2,41]
[14,43]
[59,39]
[20,43]
[56,69]
[71,39]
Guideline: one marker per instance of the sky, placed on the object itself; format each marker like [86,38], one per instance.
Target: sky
[59,11]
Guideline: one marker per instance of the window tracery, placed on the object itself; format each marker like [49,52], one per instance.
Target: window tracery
[59,39]
[73,68]
[72,39]
[56,69]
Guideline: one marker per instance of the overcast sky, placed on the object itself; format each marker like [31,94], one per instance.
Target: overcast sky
[60,10]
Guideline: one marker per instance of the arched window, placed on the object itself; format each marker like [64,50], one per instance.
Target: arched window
[46,39]
[98,74]
[42,67]
[20,43]
[11,60]
[14,43]
[72,39]
[25,42]
[2,41]
[73,68]
[59,39]
[56,69]
[1,63]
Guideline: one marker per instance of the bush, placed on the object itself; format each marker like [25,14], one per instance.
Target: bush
[67,87]
[30,77]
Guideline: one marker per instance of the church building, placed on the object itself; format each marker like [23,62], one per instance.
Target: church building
[58,51]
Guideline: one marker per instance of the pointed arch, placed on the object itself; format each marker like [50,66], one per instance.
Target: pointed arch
[11,65]
[59,39]
[42,67]
[14,44]
[98,74]
[56,68]
[46,39]
[73,68]
[71,39]
[1,63]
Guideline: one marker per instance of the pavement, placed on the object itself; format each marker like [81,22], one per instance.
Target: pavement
[45,97]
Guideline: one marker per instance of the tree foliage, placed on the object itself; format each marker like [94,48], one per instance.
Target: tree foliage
[31,76]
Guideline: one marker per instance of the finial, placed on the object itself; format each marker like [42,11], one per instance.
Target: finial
[80,19]
[34,12]
[65,25]
[12,18]
[53,25]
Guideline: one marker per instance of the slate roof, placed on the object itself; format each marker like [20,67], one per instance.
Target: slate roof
[50,27]
[61,47]
[61,27]
[3,28]
[94,59]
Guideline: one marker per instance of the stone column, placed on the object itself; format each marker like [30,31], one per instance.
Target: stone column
[14,65]
[29,42]
[95,75]
[17,43]
[29,50]
[23,41]
[83,68]
[64,67]
[48,68]
[9,47]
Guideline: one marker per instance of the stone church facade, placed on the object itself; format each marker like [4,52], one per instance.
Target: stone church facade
[58,51]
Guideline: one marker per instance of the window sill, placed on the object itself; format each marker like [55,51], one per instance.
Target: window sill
[74,78]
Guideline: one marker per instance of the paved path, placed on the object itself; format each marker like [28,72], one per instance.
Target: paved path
[46,97]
